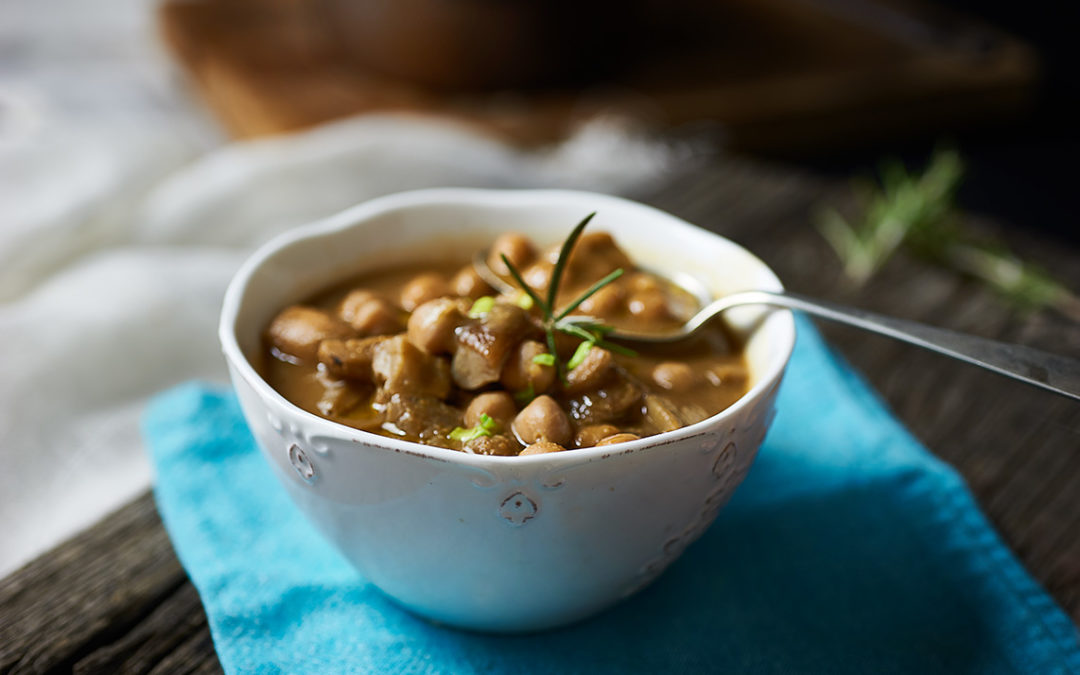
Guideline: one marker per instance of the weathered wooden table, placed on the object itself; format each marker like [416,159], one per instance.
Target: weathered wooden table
[115,599]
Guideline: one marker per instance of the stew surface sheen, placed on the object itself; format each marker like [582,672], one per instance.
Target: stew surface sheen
[433,354]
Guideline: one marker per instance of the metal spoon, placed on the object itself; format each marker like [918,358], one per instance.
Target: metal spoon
[1058,374]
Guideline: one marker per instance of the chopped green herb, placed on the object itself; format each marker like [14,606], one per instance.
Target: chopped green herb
[544,359]
[524,301]
[481,307]
[486,427]
[580,354]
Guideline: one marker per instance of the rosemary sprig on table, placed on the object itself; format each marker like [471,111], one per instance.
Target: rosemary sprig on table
[587,329]
[918,212]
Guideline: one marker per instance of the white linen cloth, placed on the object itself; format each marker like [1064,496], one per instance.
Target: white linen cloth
[119,233]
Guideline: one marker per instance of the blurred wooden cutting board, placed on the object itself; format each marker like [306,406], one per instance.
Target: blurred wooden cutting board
[777,75]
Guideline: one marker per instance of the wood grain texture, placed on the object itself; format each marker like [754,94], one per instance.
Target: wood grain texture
[115,599]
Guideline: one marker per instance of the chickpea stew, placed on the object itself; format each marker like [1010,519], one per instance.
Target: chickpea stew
[435,355]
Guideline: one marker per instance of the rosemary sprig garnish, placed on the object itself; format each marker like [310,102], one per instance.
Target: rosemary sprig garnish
[589,293]
[588,329]
[560,262]
[918,212]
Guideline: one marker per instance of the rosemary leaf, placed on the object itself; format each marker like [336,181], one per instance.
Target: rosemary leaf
[564,256]
[589,293]
[549,333]
[617,348]
[575,330]
[525,287]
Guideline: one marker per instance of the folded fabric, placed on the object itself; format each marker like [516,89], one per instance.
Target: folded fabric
[848,549]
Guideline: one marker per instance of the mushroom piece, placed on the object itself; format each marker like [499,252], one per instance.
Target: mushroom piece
[662,413]
[351,359]
[425,419]
[613,403]
[297,331]
[339,398]
[400,367]
[484,345]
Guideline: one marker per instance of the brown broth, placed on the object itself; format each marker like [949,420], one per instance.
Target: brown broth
[714,360]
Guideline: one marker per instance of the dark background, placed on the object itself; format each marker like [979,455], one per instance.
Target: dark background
[1023,173]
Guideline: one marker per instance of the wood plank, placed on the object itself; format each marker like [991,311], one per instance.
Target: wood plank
[177,620]
[91,593]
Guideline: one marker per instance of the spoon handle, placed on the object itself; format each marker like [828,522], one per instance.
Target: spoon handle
[1042,369]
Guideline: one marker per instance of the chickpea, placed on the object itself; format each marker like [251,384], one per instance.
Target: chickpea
[648,305]
[297,331]
[728,375]
[593,434]
[674,376]
[538,276]
[493,445]
[541,448]
[604,303]
[468,284]
[618,438]
[595,255]
[369,314]
[400,367]
[423,288]
[516,247]
[643,282]
[431,325]
[521,372]
[498,405]
[543,420]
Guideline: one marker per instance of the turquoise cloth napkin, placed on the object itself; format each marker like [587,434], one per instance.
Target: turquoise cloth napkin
[849,549]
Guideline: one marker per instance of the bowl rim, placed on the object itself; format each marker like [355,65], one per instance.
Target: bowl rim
[357,215]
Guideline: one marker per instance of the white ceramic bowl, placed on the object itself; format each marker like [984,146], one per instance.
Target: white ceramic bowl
[501,544]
